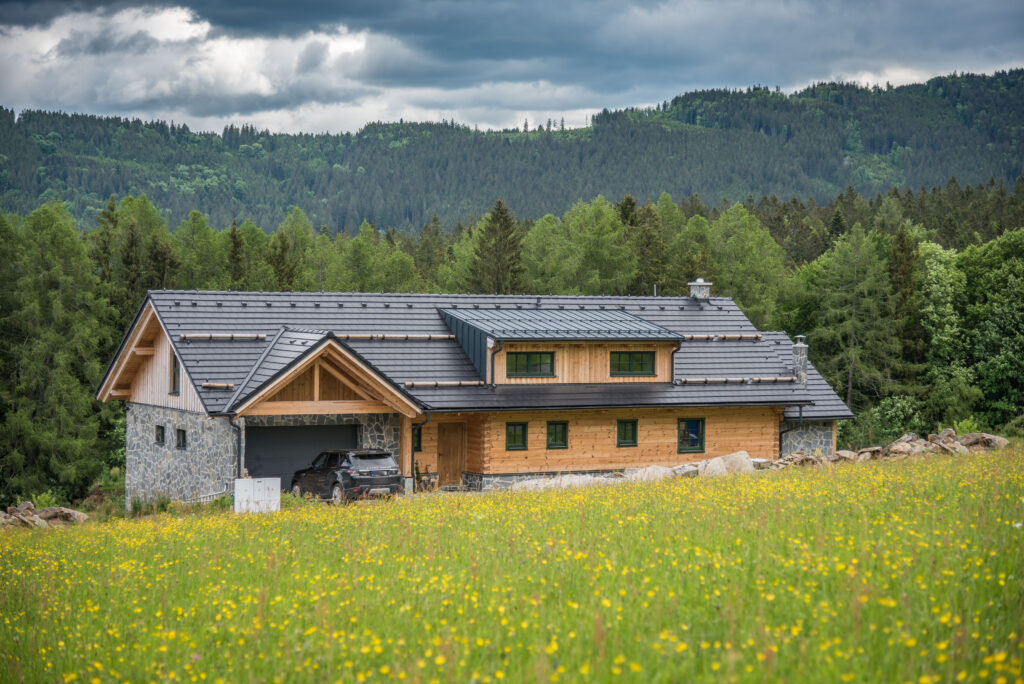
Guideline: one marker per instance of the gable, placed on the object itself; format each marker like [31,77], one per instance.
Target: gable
[326,379]
[141,372]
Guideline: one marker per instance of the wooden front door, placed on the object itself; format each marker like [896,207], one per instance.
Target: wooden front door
[451,453]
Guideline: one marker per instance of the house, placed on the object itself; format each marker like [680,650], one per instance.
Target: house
[470,390]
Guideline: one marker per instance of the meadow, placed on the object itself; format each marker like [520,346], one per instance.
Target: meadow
[908,571]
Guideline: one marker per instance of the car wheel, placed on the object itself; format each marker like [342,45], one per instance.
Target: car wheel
[337,495]
[296,490]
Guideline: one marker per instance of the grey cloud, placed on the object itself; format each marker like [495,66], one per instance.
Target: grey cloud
[81,43]
[311,57]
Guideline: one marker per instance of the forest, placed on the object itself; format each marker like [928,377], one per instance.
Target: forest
[912,302]
[713,143]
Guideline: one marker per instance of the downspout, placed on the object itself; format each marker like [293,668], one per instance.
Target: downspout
[799,422]
[497,349]
[672,357]
[238,445]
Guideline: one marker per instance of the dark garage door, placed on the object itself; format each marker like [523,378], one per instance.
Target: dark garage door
[280,451]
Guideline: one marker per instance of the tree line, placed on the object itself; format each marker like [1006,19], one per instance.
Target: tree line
[915,322]
[716,143]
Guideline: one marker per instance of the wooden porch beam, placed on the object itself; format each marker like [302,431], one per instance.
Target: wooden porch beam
[287,408]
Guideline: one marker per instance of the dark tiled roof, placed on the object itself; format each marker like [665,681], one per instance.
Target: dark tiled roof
[827,404]
[248,363]
[515,324]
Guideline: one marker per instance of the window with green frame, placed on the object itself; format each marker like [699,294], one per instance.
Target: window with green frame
[515,436]
[558,434]
[417,439]
[632,363]
[530,364]
[691,435]
[626,433]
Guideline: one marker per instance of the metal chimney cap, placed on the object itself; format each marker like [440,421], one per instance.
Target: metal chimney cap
[800,339]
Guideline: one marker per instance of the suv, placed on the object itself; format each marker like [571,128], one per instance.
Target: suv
[349,474]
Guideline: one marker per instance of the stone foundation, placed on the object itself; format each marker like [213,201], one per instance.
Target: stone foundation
[810,437]
[204,468]
[502,481]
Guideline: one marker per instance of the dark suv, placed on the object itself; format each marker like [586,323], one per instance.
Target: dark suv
[349,474]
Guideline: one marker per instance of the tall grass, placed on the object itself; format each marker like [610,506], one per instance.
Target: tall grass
[902,571]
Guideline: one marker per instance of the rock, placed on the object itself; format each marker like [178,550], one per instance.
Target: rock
[869,454]
[761,463]
[737,462]
[845,455]
[900,449]
[686,470]
[712,468]
[983,440]
[649,474]
[61,513]
[909,437]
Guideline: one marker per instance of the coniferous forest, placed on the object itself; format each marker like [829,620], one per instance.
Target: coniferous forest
[885,224]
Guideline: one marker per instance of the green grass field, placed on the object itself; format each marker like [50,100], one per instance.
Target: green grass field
[902,571]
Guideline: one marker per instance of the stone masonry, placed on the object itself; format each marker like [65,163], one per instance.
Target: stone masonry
[499,482]
[205,467]
[811,437]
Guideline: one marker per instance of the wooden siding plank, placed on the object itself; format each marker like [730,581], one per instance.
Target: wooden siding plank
[583,362]
[152,381]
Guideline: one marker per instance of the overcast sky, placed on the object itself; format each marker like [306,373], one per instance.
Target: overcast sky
[334,65]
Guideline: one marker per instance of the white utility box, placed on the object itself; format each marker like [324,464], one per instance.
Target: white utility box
[258,495]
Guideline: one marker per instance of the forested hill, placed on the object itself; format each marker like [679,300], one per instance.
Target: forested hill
[714,143]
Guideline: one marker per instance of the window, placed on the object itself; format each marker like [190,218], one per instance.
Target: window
[417,439]
[175,373]
[558,434]
[181,441]
[515,436]
[626,433]
[530,364]
[159,437]
[691,435]
[632,363]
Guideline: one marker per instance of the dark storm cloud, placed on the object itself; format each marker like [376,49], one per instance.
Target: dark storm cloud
[501,56]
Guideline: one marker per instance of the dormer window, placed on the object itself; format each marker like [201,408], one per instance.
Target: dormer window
[175,374]
[530,364]
[632,363]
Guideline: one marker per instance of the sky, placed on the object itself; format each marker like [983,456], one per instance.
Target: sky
[335,65]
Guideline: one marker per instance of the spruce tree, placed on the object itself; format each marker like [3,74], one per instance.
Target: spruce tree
[236,257]
[498,260]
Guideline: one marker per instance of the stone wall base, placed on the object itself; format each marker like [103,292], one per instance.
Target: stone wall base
[810,437]
[501,481]
[204,468]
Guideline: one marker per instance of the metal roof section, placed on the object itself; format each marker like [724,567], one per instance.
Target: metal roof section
[524,325]
[286,346]
[223,346]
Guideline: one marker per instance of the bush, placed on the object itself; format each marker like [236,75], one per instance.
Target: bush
[967,425]
[45,499]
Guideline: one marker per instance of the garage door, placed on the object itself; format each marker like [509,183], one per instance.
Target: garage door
[280,451]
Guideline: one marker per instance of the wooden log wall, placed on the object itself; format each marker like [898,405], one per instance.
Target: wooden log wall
[426,460]
[592,438]
[585,362]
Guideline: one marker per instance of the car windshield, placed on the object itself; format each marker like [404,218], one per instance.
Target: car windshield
[372,461]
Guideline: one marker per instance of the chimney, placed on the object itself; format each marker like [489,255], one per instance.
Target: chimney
[800,360]
[699,289]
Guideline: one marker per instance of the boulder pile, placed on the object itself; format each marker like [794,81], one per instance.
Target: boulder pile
[910,444]
[946,442]
[26,515]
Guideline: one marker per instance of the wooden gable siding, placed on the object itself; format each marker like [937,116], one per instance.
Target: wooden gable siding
[304,388]
[152,381]
[585,362]
[592,438]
